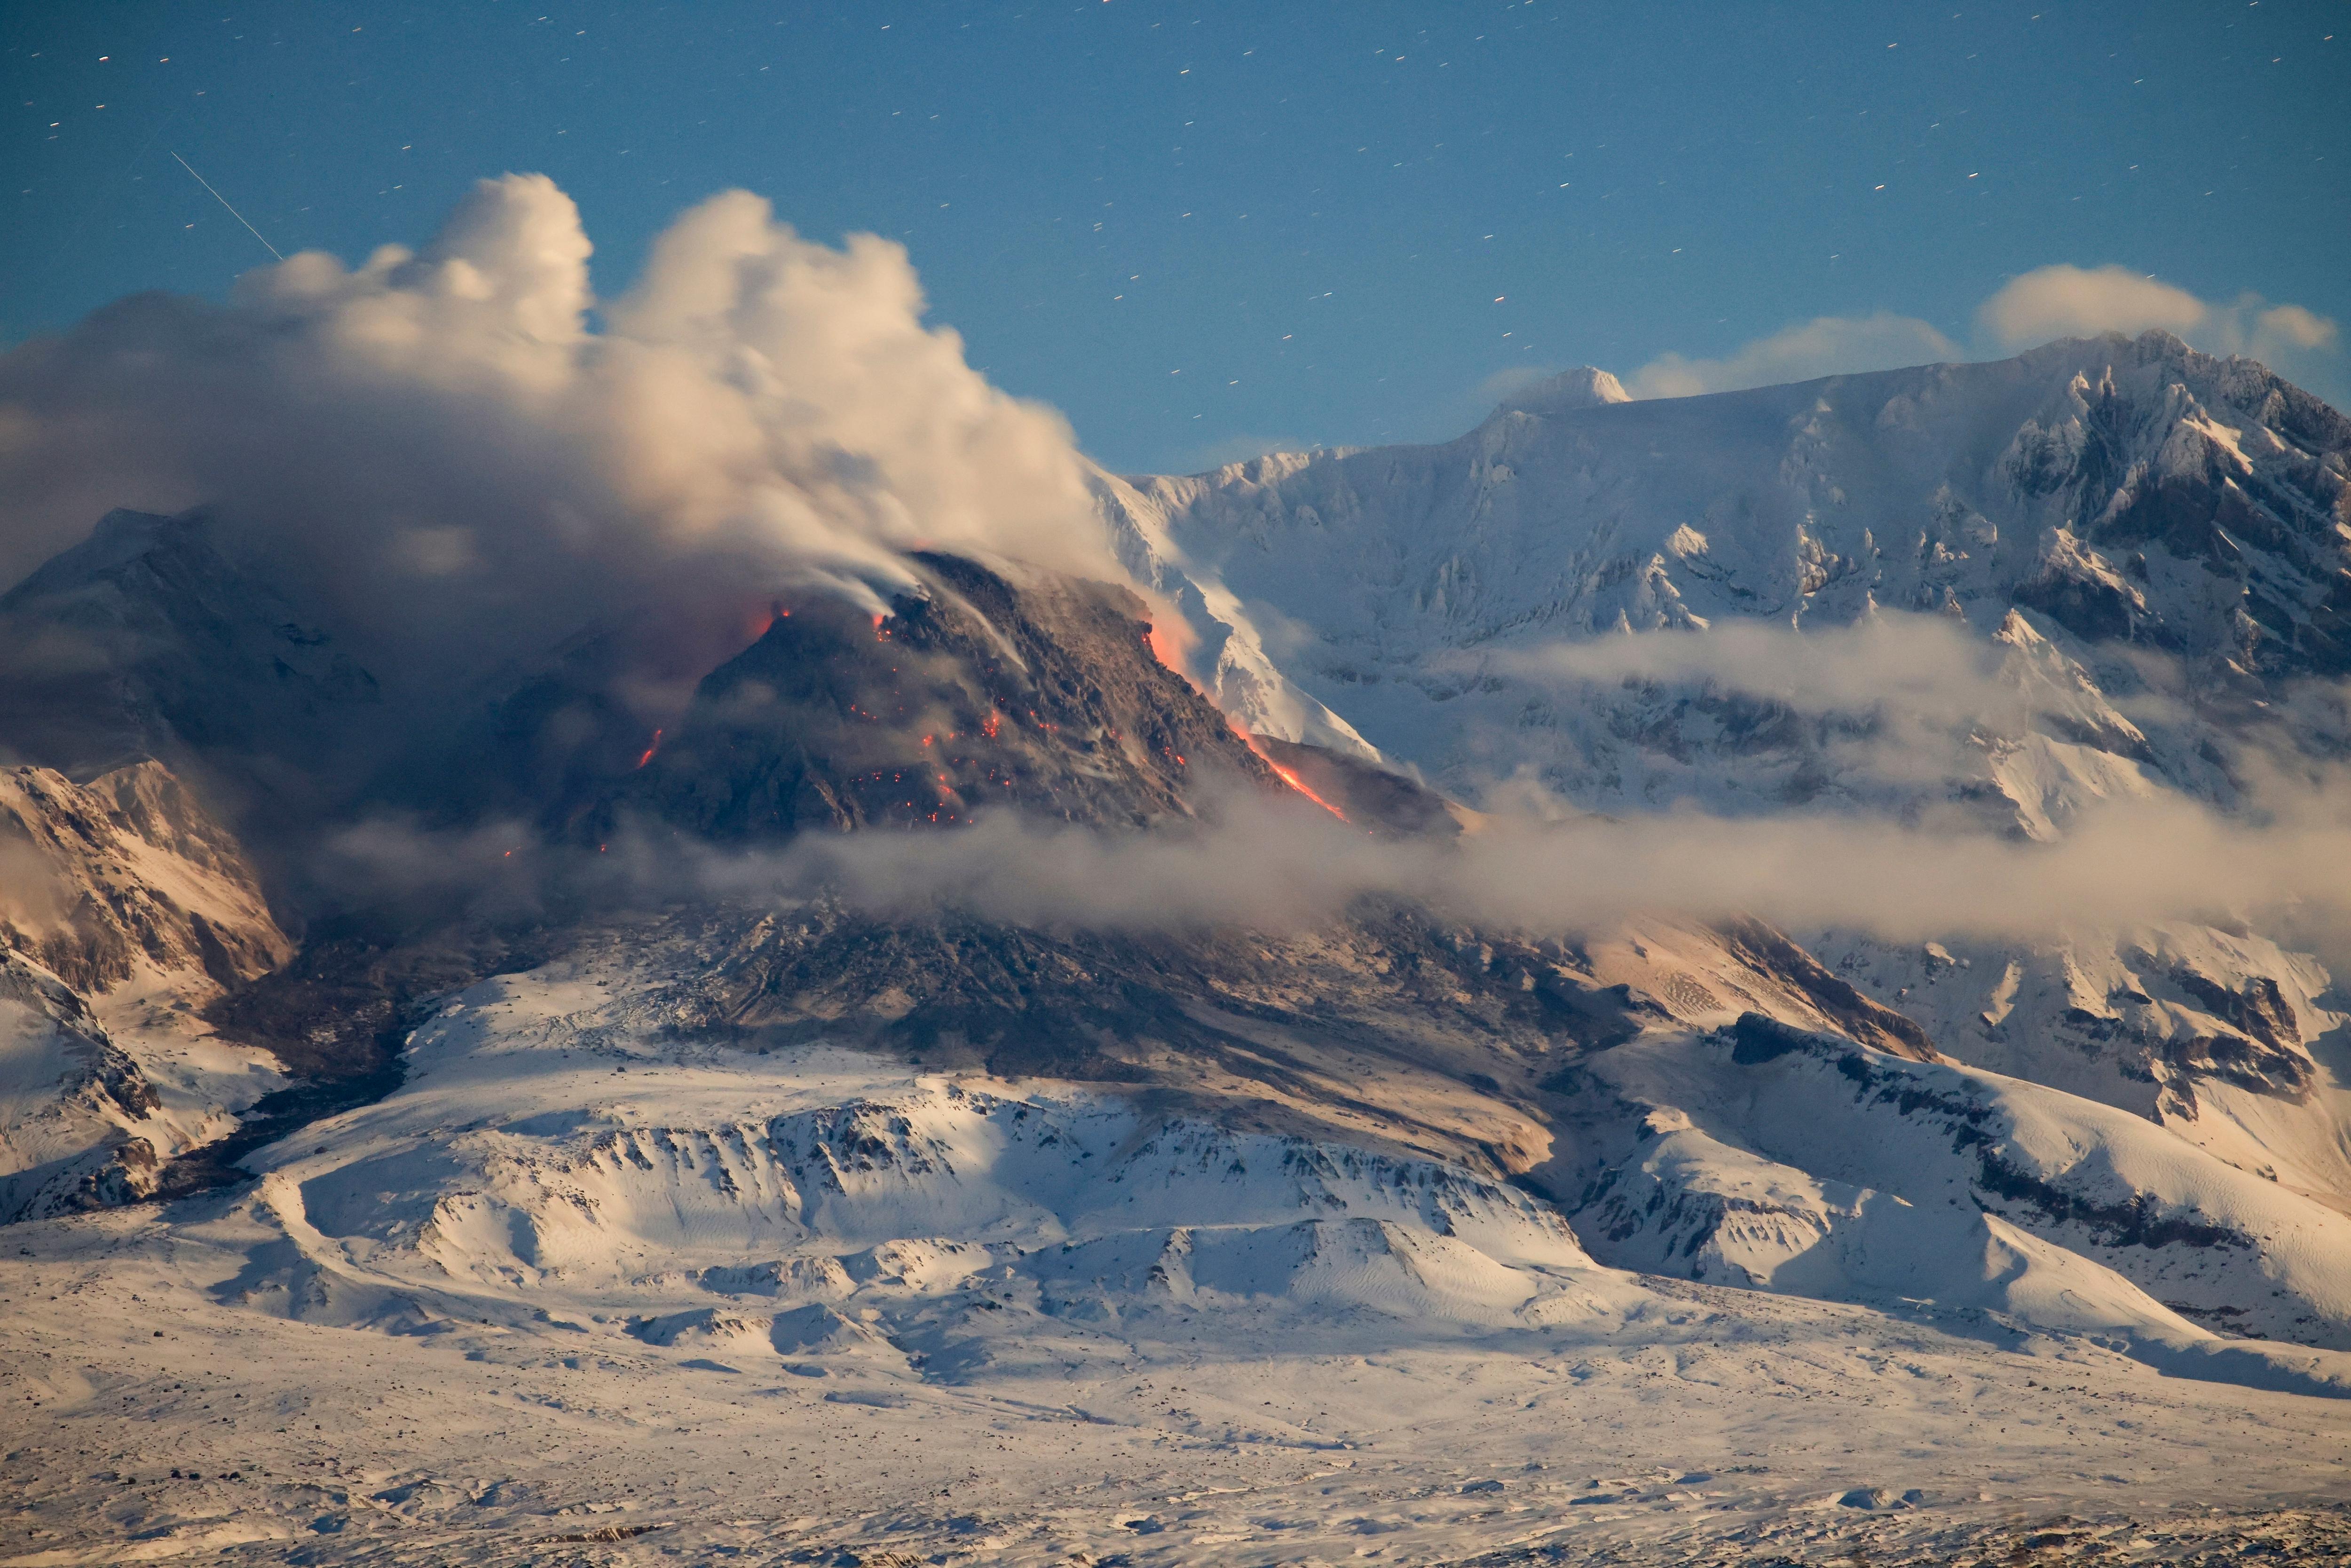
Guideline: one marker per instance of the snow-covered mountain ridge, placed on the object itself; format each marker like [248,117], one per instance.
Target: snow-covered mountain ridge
[2107,570]
[124,909]
[2126,489]
[686,1208]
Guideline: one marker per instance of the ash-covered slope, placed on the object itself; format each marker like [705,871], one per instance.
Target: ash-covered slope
[978,696]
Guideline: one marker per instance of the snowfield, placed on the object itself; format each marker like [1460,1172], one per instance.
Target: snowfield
[580,1292]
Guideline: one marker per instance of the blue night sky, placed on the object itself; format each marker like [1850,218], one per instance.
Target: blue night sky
[1340,223]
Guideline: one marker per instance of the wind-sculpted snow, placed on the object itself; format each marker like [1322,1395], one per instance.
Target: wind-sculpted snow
[2220,1034]
[546,1156]
[1794,1161]
[920,1189]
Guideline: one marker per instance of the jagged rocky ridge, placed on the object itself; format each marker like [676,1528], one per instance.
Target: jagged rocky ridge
[124,908]
[2150,547]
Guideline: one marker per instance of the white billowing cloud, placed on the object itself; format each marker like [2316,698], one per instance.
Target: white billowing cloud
[1829,345]
[2293,324]
[2064,301]
[2034,308]
[444,445]
[817,362]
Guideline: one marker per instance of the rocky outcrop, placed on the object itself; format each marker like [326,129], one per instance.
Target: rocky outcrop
[1771,953]
[73,1105]
[120,899]
[979,694]
[128,870]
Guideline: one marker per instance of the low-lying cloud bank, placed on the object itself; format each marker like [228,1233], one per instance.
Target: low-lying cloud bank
[1928,666]
[450,451]
[2049,302]
[1279,870]
[1278,865]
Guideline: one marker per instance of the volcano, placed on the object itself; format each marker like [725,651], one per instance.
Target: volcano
[459,1102]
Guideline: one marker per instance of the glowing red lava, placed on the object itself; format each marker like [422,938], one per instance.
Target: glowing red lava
[1285,775]
[649,751]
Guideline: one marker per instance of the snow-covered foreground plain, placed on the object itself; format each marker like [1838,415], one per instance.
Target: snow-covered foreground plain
[584,1291]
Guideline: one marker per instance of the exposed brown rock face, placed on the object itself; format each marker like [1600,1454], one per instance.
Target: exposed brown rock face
[111,892]
[1770,953]
[1044,698]
[124,870]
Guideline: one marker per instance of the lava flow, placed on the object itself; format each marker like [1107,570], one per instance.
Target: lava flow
[1285,775]
[649,751]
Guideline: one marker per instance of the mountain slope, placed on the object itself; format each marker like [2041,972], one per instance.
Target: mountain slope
[2128,493]
[1043,698]
[147,641]
[124,909]
[2128,489]
[614,1161]
[2128,564]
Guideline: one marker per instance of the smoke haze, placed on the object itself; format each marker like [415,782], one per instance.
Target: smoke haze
[447,451]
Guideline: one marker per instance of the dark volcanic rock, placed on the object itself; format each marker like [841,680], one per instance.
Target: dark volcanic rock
[1769,952]
[2267,537]
[1322,1023]
[1041,697]
[1373,798]
[551,747]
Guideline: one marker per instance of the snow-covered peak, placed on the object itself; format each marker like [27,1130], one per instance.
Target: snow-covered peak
[2120,489]
[1582,387]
